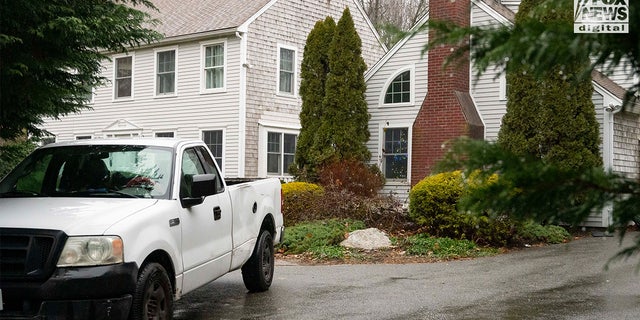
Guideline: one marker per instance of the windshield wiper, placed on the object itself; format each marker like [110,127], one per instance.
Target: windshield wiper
[103,193]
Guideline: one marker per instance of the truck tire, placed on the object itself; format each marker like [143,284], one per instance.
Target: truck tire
[153,298]
[257,272]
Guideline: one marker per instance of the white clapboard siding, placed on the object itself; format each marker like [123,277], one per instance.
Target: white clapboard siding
[287,24]
[189,112]
[406,55]
[186,114]
[486,89]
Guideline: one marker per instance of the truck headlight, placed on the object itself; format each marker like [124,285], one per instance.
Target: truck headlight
[91,251]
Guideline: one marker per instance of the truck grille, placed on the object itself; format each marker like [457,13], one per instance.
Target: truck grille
[27,253]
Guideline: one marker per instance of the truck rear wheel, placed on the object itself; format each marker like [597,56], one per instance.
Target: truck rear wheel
[257,272]
[153,298]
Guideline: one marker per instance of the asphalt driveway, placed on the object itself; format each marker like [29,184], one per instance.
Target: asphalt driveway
[565,281]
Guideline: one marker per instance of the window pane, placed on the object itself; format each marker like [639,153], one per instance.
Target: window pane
[286,77]
[213,140]
[273,142]
[164,134]
[289,143]
[123,77]
[166,61]
[123,67]
[274,154]
[395,167]
[214,66]
[273,163]
[288,160]
[214,78]
[123,88]
[399,91]
[286,80]
[286,59]
[166,72]
[396,148]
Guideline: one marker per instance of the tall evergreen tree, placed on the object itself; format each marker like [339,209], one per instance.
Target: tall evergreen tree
[553,117]
[313,73]
[344,130]
[51,53]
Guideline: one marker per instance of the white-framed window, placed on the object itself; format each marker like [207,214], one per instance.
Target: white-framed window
[395,153]
[123,77]
[286,70]
[399,88]
[165,134]
[213,66]
[215,142]
[281,151]
[399,91]
[84,137]
[166,72]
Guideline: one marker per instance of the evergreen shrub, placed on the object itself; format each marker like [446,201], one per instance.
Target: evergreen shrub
[433,204]
[301,201]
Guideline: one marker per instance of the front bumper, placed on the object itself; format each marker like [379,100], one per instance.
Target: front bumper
[102,292]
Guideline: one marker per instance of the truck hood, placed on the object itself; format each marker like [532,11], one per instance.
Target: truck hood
[74,216]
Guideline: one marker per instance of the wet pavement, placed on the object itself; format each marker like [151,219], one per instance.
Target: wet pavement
[565,281]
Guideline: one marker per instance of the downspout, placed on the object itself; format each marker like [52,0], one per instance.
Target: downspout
[242,104]
[607,153]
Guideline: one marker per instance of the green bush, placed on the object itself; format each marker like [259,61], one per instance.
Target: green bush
[433,205]
[301,202]
[11,153]
[532,232]
[315,237]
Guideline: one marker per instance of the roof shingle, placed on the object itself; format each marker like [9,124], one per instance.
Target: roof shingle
[182,17]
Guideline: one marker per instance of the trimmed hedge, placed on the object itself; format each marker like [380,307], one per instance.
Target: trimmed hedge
[299,201]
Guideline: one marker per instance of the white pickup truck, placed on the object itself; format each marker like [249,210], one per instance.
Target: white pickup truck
[119,229]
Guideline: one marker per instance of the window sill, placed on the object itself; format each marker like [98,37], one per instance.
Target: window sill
[286,95]
[397,105]
[165,96]
[213,91]
[123,99]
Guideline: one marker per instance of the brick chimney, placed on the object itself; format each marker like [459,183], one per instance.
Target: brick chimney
[443,116]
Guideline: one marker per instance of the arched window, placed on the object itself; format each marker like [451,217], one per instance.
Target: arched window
[399,91]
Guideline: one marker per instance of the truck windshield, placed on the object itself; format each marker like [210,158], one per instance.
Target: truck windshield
[130,171]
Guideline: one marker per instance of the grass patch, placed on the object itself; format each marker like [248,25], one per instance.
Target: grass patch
[321,239]
[443,248]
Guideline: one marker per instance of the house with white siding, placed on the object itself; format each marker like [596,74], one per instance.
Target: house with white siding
[416,105]
[226,72]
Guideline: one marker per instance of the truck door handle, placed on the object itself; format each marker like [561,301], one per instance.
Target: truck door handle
[217,213]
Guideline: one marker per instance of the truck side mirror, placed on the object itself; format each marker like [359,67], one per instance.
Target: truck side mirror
[203,185]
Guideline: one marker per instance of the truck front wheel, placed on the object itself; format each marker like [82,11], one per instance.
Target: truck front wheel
[257,272]
[153,298]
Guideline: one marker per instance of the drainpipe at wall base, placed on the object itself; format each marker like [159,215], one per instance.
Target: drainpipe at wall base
[242,108]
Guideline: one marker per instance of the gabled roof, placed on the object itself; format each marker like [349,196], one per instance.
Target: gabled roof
[184,17]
